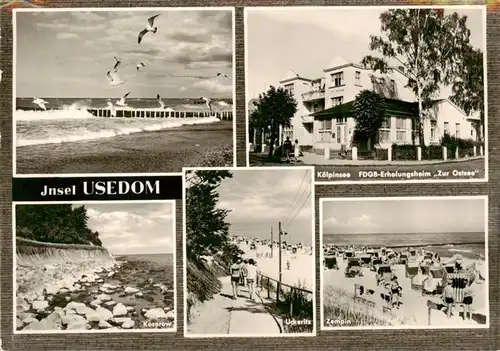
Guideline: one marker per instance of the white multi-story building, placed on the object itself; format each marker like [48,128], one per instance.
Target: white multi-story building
[325,108]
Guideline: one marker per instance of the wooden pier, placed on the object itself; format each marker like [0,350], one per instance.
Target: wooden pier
[157,113]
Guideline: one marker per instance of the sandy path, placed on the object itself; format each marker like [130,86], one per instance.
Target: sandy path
[222,315]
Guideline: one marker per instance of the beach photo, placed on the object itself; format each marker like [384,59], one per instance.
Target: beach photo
[404,262]
[249,259]
[132,90]
[94,267]
[401,98]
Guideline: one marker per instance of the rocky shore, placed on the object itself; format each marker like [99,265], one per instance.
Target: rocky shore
[106,295]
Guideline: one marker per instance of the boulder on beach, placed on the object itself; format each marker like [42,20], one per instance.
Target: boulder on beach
[111,274]
[103,297]
[110,303]
[51,289]
[100,314]
[128,324]
[95,303]
[78,326]
[170,315]
[40,305]
[73,319]
[104,325]
[119,310]
[52,322]
[139,294]
[22,305]
[130,290]
[28,320]
[155,313]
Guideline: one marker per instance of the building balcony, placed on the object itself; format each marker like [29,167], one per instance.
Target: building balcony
[314,95]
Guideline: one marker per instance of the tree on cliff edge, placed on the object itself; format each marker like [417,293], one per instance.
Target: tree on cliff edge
[207,231]
[60,224]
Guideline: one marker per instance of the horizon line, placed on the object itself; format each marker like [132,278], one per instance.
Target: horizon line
[399,233]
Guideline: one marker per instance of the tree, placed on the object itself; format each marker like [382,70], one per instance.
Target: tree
[273,109]
[371,112]
[427,46]
[468,88]
[55,224]
[207,232]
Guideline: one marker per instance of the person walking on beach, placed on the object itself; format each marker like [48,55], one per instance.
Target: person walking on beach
[243,273]
[287,148]
[395,290]
[251,277]
[448,297]
[235,275]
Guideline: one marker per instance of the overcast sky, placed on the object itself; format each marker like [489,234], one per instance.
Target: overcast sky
[306,40]
[403,216]
[67,54]
[133,228]
[261,198]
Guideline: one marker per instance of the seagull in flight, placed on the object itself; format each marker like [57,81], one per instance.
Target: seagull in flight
[40,102]
[114,78]
[208,102]
[149,28]
[162,104]
[140,65]
[112,108]
[122,102]
[223,75]
[118,63]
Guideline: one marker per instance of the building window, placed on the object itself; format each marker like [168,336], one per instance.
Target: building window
[433,130]
[385,131]
[337,100]
[446,128]
[325,124]
[290,88]
[393,85]
[338,79]
[357,78]
[457,126]
[401,127]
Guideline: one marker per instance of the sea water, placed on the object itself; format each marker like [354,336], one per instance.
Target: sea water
[69,121]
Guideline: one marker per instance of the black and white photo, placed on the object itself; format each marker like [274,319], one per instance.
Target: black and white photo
[370,94]
[138,90]
[407,262]
[94,267]
[249,252]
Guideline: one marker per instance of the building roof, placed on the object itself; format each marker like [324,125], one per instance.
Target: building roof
[398,107]
[337,61]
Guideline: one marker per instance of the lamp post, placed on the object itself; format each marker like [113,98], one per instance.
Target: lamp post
[280,233]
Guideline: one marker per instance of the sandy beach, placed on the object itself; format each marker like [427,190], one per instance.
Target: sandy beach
[339,305]
[205,145]
[301,272]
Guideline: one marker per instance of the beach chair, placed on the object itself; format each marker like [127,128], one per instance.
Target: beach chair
[459,282]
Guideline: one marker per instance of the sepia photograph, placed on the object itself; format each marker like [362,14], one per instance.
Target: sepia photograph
[249,263]
[406,262]
[94,267]
[401,97]
[138,90]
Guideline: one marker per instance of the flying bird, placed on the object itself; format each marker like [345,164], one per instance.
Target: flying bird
[118,63]
[40,102]
[208,102]
[114,78]
[122,102]
[112,108]
[140,65]
[149,28]
[223,75]
[162,104]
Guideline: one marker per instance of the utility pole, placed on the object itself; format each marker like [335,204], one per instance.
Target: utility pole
[279,259]
[272,242]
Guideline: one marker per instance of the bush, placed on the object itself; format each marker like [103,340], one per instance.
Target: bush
[432,152]
[302,308]
[452,143]
[381,154]
[404,152]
